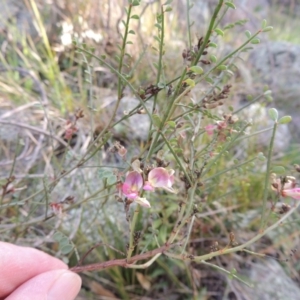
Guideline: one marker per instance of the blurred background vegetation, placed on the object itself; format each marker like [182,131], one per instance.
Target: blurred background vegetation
[44,81]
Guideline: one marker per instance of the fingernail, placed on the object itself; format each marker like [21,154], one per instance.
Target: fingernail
[66,286]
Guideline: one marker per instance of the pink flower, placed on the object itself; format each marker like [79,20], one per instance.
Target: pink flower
[57,208]
[210,129]
[131,187]
[293,193]
[160,178]
[220,126]
[285,183]
[133,183]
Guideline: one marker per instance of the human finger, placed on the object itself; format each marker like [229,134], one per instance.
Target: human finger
[19,264]
[51,285]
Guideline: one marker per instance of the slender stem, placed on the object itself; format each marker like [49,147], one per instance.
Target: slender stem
[121,76]
[254,134]
[90,89]
[212,162]
[182,221]
[120,83]
[256,99]
[227,272]
[161,34]
[183,169]
[267,178]
[188,23]
[147,264]
[230,169]
[161,51]
[132,231]
[188,234]
[168,112]
[221,17]
[46,196]
[9,179]
[177,227]
[208,33]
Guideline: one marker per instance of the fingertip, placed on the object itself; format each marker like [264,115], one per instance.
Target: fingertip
[51,285]
[67,284]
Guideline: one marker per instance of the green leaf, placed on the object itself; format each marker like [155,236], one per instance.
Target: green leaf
[64,242]
[135,2]
[161,85]
[168,8]
[273,113]
[285,120]
[209,80]
[123,22]
[267,92]
[66,249]
[213,45]
[136,17]
[159,18]
[213,58]
[228,26]
[268,28]
[158,26]
[168,2]
[269,98]
[196,69]
[255,41]
[129,43]
[178,151]
[230,5]
[248,34]
[241,22]
[58,236]
[131,31]
[157,38]
[229,72]
[222,67]
[264,23]
[278,170]
[233,273]
[219,32]
[190,82]
[104,173]
[172,124]
[156,120]
[173,141]
[261,157]
[111,179]
[246,49]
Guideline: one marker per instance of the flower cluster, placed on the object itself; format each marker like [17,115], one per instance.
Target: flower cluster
[286,186]
[157,178]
